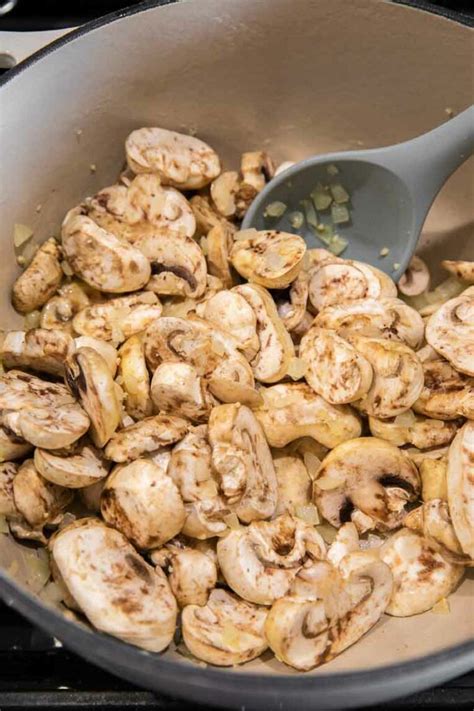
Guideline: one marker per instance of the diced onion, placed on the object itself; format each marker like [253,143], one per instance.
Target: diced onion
[21,234]
[337,244]
[208,489]
[275,209]
[441,607]
[327,483]
[327,532]
[312,464]
[321,197]
[406,419]
[339,193]
[296,219]
[66,267]
[203,245]
[332,170]
[308,513]
[297,368]
[310,213]
[231,520]
[51,594]
[4,528]
[32,320]
[339,214]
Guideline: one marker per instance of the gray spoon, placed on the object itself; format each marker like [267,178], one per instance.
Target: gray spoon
[391,190]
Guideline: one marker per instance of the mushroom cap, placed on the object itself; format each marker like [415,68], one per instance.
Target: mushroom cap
[148,435]
[179,160]
[446,394]
[415,279]
[100,258]
[397,376]
[8,472]
[88,376]
[293,410]
[119,318]
[461,269]
[143,502]
[36,499]
[243,461]
[115,588]
[60,309]
[368,474]
[336,371]
[226,631]
[450,331]
[12,447]
[231,312]
[269,257]
[40,280]
[460,481]
[83,467]
[421,576]
[192,577]
[39,349]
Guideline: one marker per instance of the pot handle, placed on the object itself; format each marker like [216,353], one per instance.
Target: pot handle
[17,46]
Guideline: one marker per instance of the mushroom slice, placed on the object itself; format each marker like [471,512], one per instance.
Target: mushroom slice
[100,258]
[460,269]
[38,349]
[90,495]
[192,576]
[223,192]
[293,486]
[178,388]
[40,280]
[421,576]
[242,459]
[276,347]
[38,500]
[11,446]
[114,587]
[333,281]
[8,472]
[450,331]
[398,376]
[385,318]
[369,475]
[106,350]
[219,244]
[346,541]
[89,378]
[446,394]
[293,312]
[135,378]
[59,311]
[142,209]
[292,410]
[433,477]
[417,430]
[433,521]
[226,631]
[231,312]
[335,369]
[143,502]
[269,257]
[206,217]
[259,562]
[183,161]
[257,169]
[148,435]
[460,480]
[83,467]
[416,278]
[118,319]
[42,413]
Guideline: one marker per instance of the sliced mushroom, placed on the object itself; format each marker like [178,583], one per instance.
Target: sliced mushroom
[141,209]
[180,160]
[293,410]
[416,278]
[383,318]
[293,311]
[276,347]
[433,478]
[148,435]
[114,587]
[460,481]
[334,280]
[84,466]
[143,502]
[226,631]
[231,312]
[89,378]
[135,378]
[42,413]
[335,369]
[219,242]
[346,542]
[192,575]
[421,576]
[8,472]
[100,258]
[39,501]
[105,349]
[417,430]
[12,447]
[59,310]
[223,192]
[433,521]
[178,388]
[460,269]
[257,169]
[270,258]
[369,475]
[446,394]
[243,461]
[40,280]
[293,484]
[206,217]
[450,331]
[118,319]
[90,495]
[260,562]
[38,349]
[398,376]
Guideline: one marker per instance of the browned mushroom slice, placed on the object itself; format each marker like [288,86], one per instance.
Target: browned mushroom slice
[135,378]
[207,218]
[257,169]
[223,193]
[460,480]
[294,487]
[178,388]
[8,472]
[12,447]
[461,269]
[179,160]
[38,500]
[146,436]
[230,311]
[270,258]
[446,394]
[84,466]
[450,331]
[113,586]
[219,244]
[293,311]
[434,522]
[417,430]
[59,311]
[369,475]
[415,279]
[40,280]
[192,573]
[38,349]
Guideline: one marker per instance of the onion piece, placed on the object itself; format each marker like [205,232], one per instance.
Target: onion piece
[275,209]
[321,197]
[339,193]
[21,234]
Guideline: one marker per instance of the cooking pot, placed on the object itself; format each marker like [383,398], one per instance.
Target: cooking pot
[294,77]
